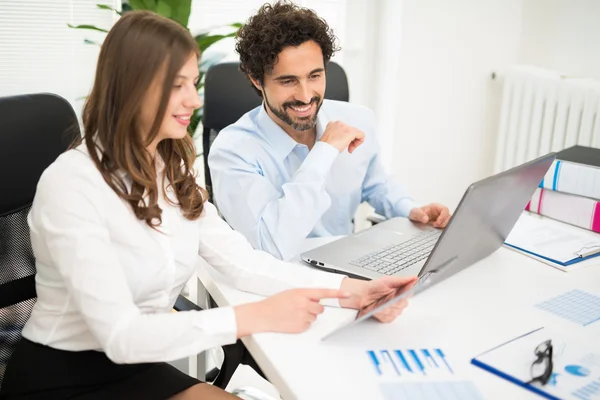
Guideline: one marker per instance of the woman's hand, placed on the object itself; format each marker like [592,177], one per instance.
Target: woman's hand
[366,295]
[291,311]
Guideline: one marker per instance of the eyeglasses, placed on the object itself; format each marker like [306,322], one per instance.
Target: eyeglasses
[541,368]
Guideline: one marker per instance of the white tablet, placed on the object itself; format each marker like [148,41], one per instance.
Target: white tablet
[425,282]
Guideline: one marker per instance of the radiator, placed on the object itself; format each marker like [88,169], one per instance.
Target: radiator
[542,111]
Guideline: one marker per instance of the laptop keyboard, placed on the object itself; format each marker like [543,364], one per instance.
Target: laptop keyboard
[392,259]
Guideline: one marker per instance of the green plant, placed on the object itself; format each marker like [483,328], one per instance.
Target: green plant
[177,10]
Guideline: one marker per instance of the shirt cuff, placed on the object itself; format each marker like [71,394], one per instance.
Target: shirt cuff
[320,158]
[219,322]
[404,206]
[328,280]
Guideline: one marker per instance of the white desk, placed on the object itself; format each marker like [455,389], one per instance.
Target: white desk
[473,311]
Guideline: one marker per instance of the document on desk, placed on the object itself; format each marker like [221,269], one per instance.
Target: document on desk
[419,373]
[575,364]
[577,306]
[437,390]
[562,245]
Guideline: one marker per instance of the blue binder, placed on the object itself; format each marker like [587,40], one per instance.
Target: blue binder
[574,260]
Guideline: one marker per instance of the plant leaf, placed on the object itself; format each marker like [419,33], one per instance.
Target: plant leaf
[151,4]
[163,8]
[237,25]
[107,7]
[143,5]
[90,27]
[88,41]
[205,41]
[180,10]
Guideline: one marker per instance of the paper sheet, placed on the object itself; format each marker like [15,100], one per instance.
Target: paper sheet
[552,239]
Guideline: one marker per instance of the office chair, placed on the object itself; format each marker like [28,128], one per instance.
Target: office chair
[228,95]
[33,134]
[35,130]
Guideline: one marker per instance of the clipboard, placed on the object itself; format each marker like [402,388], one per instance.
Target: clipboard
[576,364]
[560,244]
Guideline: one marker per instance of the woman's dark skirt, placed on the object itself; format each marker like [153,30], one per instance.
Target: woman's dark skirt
[37,372]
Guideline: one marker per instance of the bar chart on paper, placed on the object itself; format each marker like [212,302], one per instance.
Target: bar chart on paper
[407,362]
[415,374]
[586,367]
[588,392]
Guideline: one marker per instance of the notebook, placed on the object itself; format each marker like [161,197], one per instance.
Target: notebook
[576,170]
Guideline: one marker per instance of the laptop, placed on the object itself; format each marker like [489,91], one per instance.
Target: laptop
[483,219]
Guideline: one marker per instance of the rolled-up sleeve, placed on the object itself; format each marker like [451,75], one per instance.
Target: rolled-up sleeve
[275,222]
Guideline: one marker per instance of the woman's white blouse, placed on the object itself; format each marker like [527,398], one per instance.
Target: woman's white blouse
[107,281]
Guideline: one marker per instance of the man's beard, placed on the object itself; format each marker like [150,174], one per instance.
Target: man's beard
[302,123]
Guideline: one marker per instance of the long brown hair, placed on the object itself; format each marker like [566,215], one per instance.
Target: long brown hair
[140,48]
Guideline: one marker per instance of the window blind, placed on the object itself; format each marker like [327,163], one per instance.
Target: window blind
[40,53]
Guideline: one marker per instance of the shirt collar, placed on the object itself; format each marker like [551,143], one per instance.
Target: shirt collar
[278,139]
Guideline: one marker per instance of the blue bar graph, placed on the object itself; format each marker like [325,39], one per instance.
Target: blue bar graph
[375,361]
[388,358]
[417,360]
[405,362]
[441,355]
[588,392]
[429,358]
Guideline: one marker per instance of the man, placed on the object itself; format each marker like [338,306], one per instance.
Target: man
[298,166]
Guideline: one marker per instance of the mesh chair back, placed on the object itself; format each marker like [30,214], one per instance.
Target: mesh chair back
[35,130]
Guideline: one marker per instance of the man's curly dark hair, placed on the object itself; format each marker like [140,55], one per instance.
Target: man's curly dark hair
[274,27]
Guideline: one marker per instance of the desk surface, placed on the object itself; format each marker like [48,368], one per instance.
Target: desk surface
[469,313]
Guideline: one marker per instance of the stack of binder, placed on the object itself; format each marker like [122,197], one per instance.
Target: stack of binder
[567,200]
[570,191]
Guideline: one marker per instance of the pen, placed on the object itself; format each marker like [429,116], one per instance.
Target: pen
[589,253]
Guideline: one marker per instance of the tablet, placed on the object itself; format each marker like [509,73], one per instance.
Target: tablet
[425,282]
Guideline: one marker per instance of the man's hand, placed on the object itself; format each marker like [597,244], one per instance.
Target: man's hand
[435,213]
[342,136]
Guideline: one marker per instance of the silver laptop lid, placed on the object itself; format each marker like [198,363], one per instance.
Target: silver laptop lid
[486,214]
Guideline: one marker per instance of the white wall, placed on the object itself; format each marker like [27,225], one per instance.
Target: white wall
[442,109]
[563,35]
[442,99]
[424,66]
[359,49]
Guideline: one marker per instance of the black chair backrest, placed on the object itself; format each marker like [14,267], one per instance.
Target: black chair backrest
[34,130]
[228,95]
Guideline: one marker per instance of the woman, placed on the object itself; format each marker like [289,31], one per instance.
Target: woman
[117,225]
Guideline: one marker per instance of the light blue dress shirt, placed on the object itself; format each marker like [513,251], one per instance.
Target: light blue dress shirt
[277,193]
